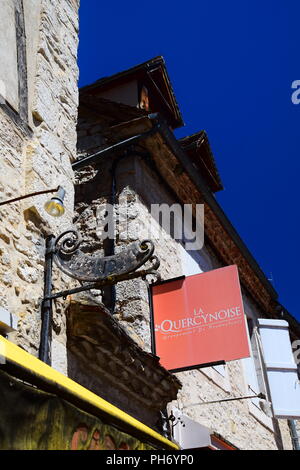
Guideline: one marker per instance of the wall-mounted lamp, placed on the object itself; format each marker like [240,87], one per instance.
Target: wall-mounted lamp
[54,207]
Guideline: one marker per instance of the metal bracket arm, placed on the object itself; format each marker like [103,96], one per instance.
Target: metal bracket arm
[94,272]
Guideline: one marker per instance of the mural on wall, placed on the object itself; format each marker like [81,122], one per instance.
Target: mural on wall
[31,419]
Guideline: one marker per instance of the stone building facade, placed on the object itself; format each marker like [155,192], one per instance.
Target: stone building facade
[159,169]
[101,338]
[38,114]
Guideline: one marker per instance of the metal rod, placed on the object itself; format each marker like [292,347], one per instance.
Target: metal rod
[46,308]
[109,281]
[73,291]
[260,395]
[91,159]
[111,246]
[152,325]
[37,193]
[294,434]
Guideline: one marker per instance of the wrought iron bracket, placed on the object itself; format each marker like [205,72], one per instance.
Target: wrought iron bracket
[94,272]
[111,280]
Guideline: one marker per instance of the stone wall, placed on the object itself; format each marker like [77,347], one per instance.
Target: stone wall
[37,155]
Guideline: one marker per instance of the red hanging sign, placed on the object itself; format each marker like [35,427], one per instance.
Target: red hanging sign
[199,320]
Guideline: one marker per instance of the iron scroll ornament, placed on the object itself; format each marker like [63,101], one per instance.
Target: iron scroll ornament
[93,272]
[96,271]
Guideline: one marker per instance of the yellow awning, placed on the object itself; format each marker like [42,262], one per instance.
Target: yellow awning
[37,369]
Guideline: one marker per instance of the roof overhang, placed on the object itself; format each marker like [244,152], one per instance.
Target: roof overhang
[198,149]
[153,74]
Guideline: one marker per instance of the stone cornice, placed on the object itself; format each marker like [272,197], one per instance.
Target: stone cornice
[104,348]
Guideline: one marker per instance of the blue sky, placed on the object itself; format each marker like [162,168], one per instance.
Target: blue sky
[231,65]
